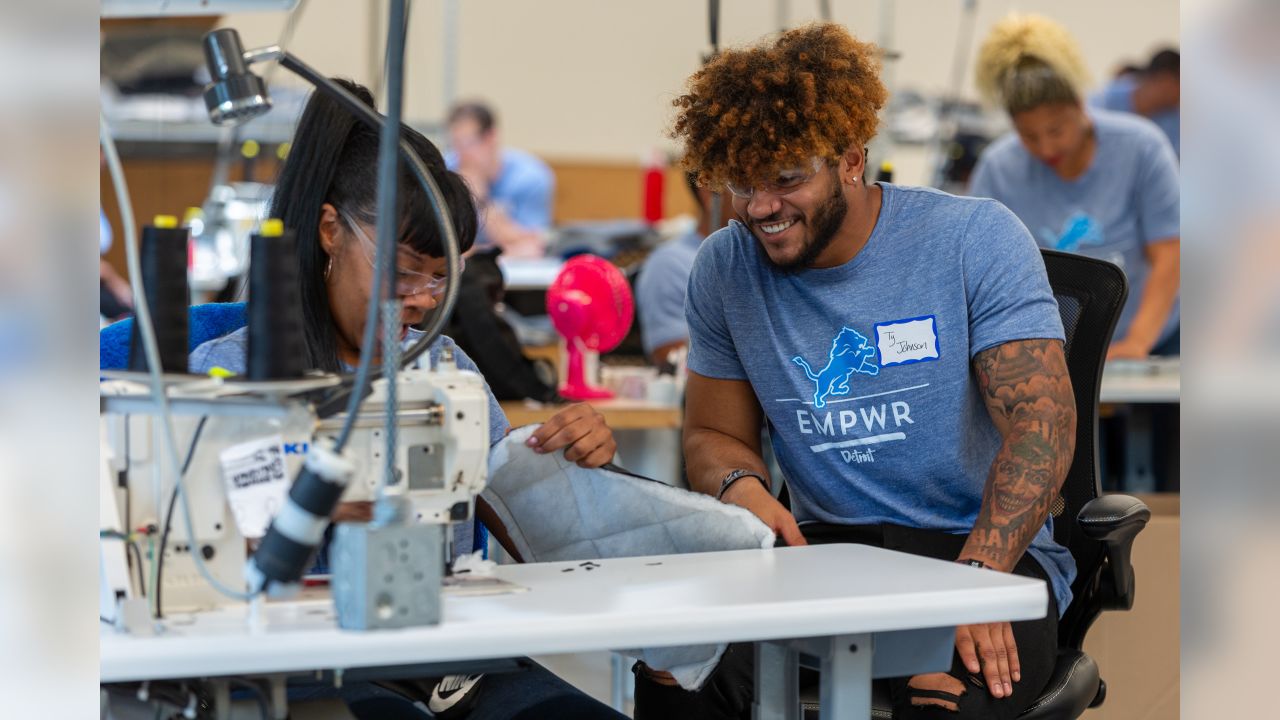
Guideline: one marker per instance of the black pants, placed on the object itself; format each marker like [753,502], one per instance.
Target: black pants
[727,694]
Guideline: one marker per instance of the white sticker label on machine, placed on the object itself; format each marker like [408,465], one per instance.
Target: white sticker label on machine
[257,482]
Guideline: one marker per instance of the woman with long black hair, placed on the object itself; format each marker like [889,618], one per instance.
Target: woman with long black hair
[326,194]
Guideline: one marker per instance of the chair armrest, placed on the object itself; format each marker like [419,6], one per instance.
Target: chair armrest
[1114,521]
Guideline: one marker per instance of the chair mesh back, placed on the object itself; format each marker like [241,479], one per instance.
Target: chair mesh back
[1090,295]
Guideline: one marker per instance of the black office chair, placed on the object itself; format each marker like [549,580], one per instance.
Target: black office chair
[1090,295]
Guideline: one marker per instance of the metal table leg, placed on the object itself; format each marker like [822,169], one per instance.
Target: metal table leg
[777,686]
[845,683]
[1139,477]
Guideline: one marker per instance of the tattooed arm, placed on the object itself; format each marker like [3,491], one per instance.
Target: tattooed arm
[1028,393]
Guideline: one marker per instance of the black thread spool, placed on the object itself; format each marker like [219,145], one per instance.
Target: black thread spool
[164,279]
[277,349]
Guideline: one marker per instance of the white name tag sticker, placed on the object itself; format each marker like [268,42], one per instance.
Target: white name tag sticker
[903,342]
[257,482]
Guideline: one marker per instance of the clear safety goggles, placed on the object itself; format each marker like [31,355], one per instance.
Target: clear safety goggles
[785,182]
[409,281]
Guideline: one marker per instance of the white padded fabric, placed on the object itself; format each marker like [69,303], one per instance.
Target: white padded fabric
[556,511]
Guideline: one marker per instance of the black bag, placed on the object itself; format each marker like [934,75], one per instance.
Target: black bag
[482,334]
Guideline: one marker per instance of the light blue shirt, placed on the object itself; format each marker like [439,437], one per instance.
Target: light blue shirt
[231,350]
[660,291]
[1128,197]
[863,370]
[524,189]
[1117,96]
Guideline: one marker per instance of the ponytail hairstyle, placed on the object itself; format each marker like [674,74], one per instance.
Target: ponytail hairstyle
[333,159]
[1028,61]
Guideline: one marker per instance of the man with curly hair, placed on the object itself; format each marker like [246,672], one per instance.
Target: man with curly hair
[902,346]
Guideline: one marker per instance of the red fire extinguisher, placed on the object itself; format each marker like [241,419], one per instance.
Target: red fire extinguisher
[653,180]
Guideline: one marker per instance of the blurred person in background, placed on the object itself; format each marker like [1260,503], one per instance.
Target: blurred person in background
[513,189]
[664,279]
[1084,180]
[1154,92]
[115,297]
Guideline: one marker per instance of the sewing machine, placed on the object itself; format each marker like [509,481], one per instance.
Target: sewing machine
[242,445]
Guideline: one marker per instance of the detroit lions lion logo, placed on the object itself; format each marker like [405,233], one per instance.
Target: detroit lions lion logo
[849,354]
[1078,230]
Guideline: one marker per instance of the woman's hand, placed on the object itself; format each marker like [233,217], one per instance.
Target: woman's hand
[360,511]
[1128,349]
[581,431]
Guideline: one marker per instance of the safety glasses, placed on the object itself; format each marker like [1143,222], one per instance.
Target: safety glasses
[785,182]
[409,281]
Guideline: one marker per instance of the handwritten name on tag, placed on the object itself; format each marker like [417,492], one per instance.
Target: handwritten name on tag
[907,341]
[256,480]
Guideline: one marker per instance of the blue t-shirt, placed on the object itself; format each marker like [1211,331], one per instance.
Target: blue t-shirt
[863,370]
[660,291]
[524,189]
[231,350]
[1117,96]
[1128,197]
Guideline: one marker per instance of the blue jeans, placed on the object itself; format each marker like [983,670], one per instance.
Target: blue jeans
[532,694]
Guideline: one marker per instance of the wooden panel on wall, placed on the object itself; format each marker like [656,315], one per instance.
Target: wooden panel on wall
[584,191]
[161,185]
[608,191]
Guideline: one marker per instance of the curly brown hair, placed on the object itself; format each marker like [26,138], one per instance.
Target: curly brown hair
[750,112]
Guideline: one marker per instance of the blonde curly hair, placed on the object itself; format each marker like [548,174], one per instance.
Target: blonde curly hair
[814,91]
[1028,61]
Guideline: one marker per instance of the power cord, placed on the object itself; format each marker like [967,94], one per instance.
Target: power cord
[131,546]
[168,516]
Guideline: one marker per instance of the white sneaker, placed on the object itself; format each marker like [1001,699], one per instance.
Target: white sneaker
[453,696]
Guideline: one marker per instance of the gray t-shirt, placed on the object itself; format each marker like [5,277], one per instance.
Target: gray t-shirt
[1128,197]
[863,370]
[660,292]
[231,350]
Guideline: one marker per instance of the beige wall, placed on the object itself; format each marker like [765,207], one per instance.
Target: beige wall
[594,79]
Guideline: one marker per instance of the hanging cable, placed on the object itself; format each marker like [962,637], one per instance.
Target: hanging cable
[388,224]
[713,29]
[965,30]
[168,518]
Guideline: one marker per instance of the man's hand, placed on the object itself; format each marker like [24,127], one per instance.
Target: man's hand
[581,431]
[747,492]
[989,649]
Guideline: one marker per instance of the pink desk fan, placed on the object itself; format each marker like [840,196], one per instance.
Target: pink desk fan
[590,305]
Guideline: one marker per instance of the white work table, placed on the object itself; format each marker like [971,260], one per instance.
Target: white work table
[1141,384]
[529,273]
[831,597]
[1157,380]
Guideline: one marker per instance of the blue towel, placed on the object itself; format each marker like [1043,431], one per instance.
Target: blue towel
[205,322]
